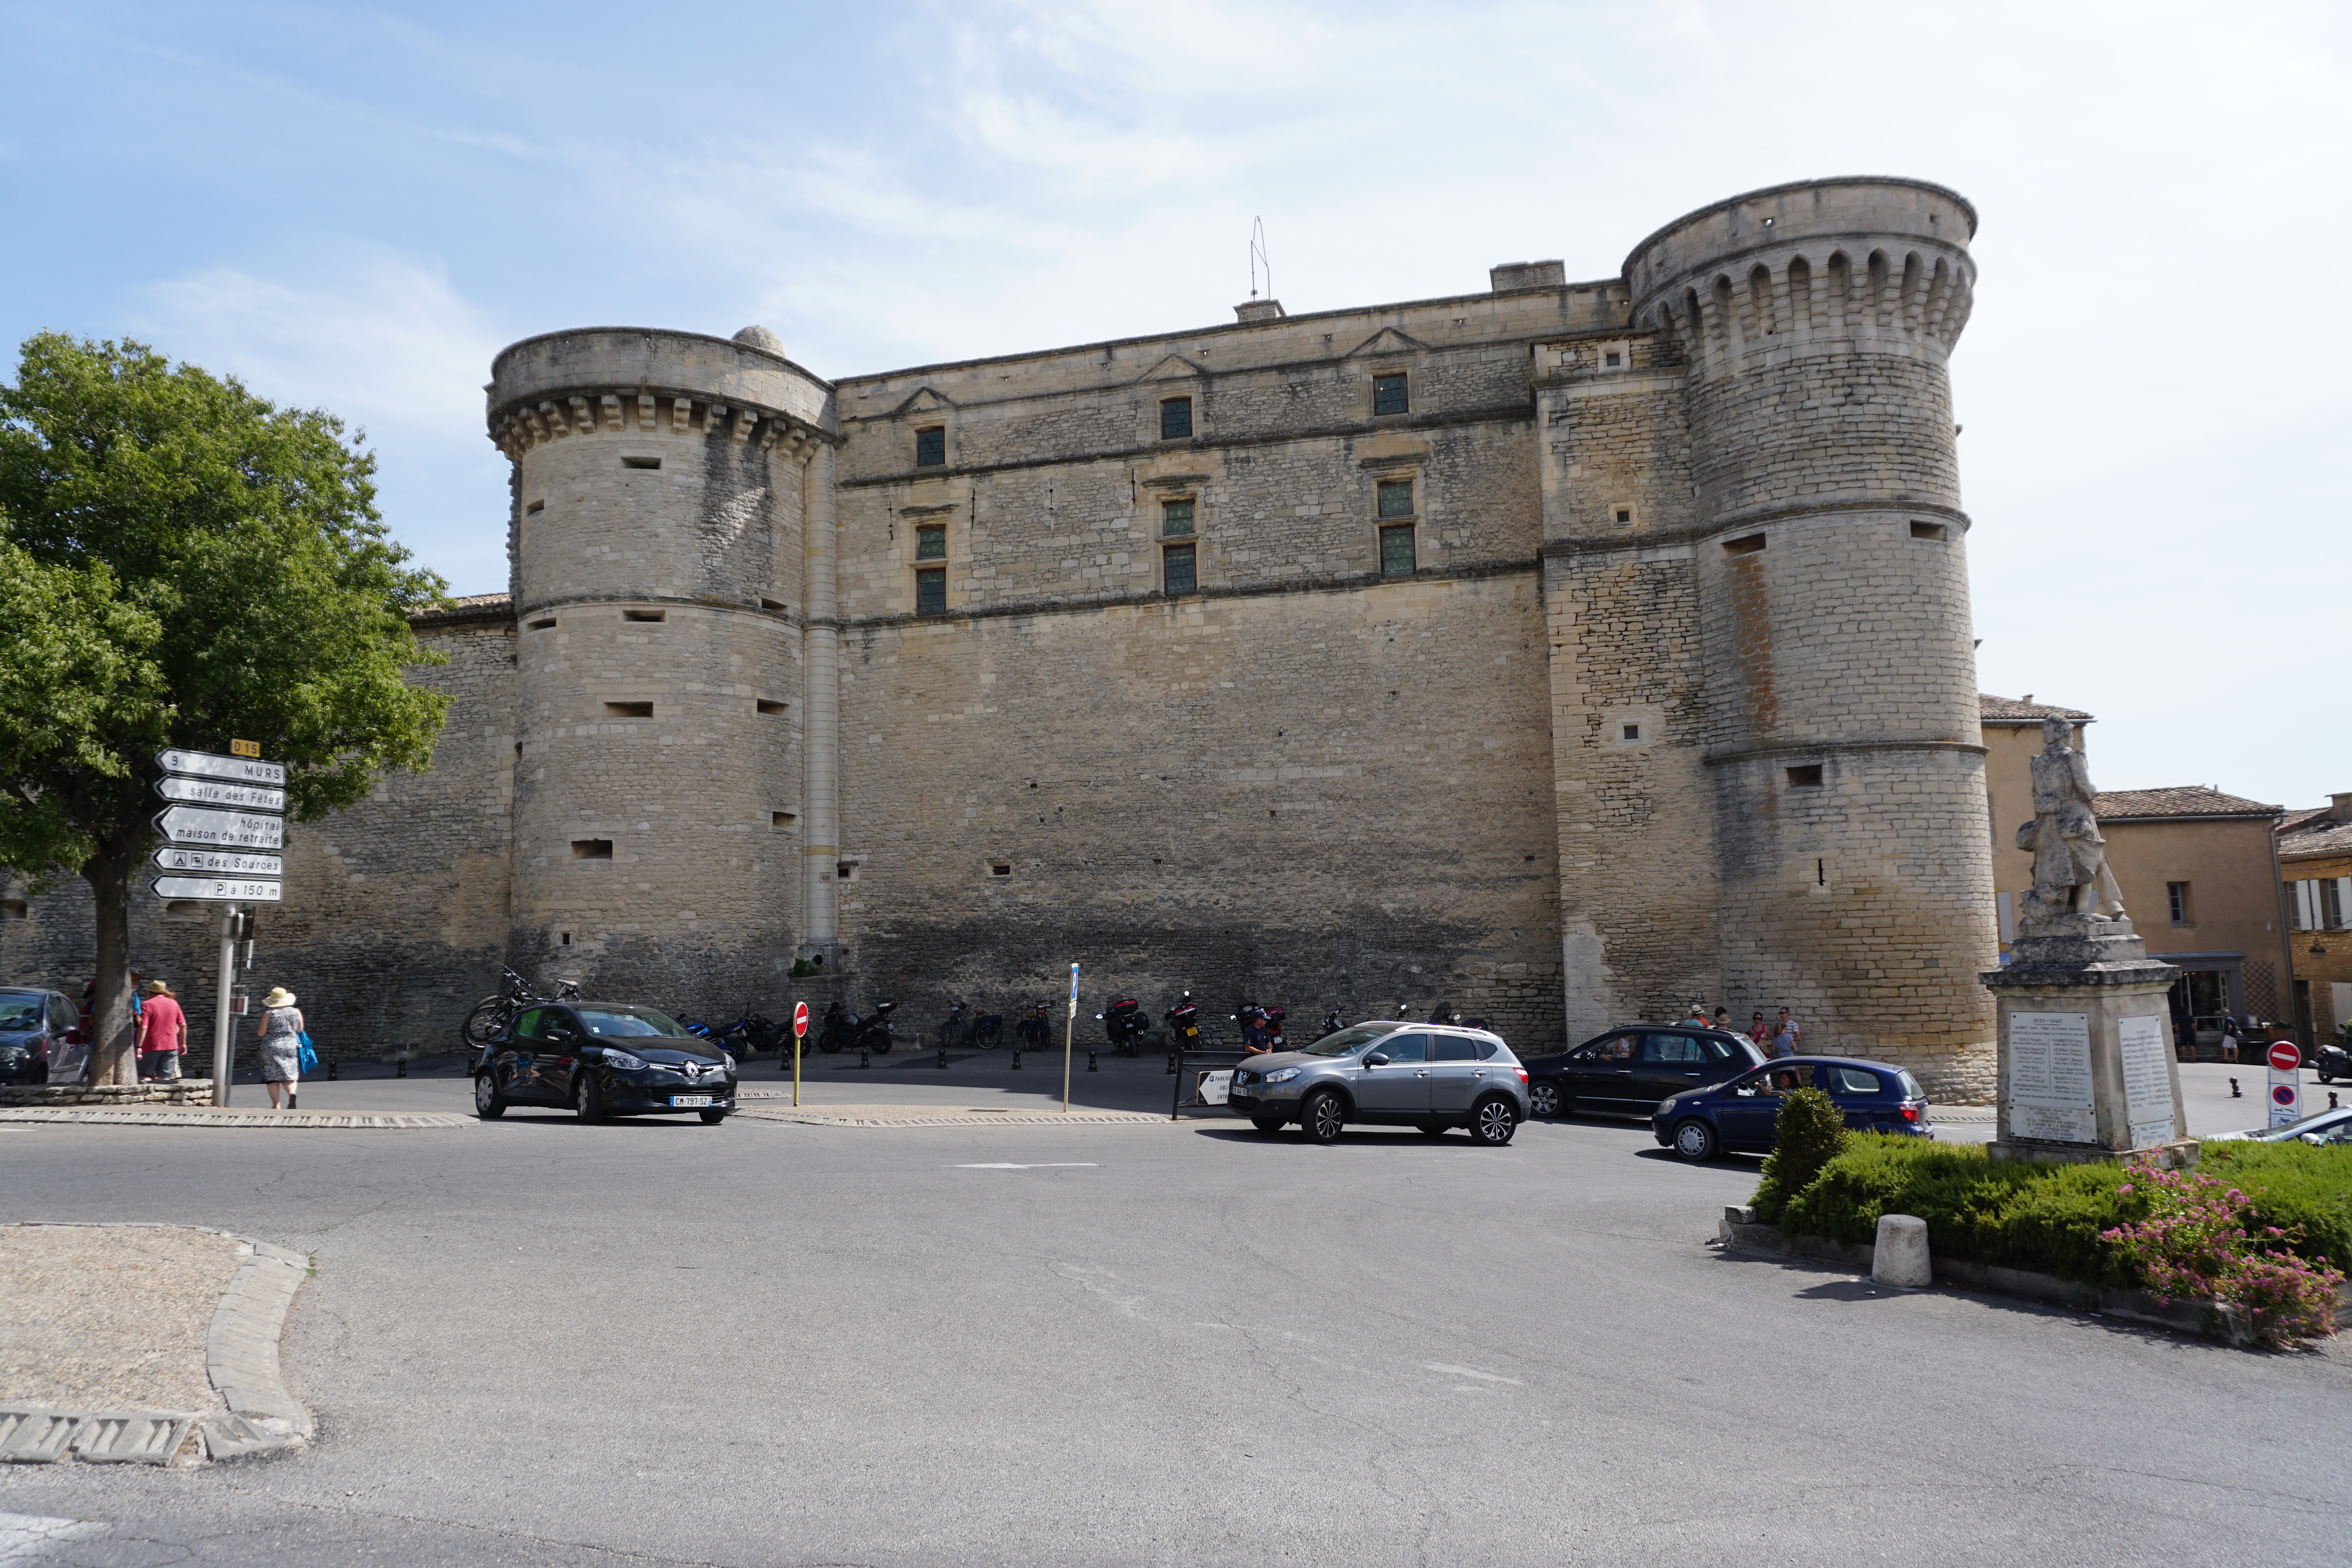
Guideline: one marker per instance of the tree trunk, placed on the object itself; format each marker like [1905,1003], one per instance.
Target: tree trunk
[113,1056]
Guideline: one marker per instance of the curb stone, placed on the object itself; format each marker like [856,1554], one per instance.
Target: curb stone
[326,1120]
[809,1117]
[255,1414]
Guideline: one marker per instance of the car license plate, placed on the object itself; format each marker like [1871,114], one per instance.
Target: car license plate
[687,1101]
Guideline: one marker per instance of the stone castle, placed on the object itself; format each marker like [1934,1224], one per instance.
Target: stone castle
[1566,652]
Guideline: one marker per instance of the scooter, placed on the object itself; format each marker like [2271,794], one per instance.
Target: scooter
[838,1030]
[1125,1024]
[1184,1023]
[1332,1021]
[877,1035]
[2332,1061]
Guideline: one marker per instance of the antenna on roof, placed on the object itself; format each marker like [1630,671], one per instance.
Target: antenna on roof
[1258,262]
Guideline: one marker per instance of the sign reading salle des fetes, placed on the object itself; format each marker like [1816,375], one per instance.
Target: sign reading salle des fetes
[225,819]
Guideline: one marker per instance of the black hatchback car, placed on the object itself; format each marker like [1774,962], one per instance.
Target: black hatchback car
[1628,1071]
[1744,1113]
[602,1059]
[36,1027]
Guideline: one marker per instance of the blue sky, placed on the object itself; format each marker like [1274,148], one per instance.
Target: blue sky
[354,206]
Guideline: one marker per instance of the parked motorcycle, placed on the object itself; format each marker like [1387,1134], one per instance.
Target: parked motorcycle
[751,1034]
[1125,1024]
[1332,1021]
[2332,1061]
[876,1034]
[839,1030]
[1184,1023]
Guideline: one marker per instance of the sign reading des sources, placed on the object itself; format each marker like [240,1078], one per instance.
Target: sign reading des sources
[2286,1082]
[224,818]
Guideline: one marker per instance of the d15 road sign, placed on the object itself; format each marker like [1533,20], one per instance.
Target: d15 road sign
[217,890]
[2284,1057]
[213,765]
[214,792]
[220,863]
[221,829]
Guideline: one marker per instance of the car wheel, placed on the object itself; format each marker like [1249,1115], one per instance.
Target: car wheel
[1543,1100]
[1430,1129]
[1323,1116]
[1695,1141]
[587,1099]
[712,1118]
[1268,1124]
[1493,1121]
[489,1103]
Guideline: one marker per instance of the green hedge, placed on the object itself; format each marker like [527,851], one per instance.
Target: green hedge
[2048,1217]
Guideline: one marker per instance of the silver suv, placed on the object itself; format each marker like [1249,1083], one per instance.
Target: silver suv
[1430,1076]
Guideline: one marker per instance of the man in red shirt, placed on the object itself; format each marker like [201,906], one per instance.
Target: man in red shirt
[163,1034]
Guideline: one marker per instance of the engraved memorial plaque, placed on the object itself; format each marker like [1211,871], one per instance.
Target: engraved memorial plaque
[2148,1080]
[2050,1078]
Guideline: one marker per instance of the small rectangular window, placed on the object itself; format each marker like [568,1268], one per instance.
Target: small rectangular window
[932,541]
[932,592]
[1746,545]
[780,820]
[1175,517]
[1175,418]
[640,462]
[1396,498]
[644,615]
[931,446]
[1625,516]
[1001,868]
[1396,552]
[592,848]
[1633,732]
[1926,530]
[770,706]
[845,871]
[1179,577]
[534,508]
[629,710]
[1808,777]
[1388,395]
[546,625]
[2176,895]
[775,604]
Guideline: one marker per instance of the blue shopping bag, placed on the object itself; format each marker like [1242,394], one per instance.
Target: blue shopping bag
[309,1059]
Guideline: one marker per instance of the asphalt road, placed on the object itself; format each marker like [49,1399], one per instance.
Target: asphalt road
[534,1341]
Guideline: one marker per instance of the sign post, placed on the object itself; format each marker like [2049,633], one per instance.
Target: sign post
[2286,1082]
[1069,1031]
[800,1032]
[222,828]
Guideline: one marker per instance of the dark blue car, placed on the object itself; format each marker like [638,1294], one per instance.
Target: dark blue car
[1743,1113]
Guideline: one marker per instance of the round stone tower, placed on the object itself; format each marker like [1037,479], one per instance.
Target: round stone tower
[1853,859]
[661,486]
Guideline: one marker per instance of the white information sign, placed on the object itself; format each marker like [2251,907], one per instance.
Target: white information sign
[221,829]
[212,792]
[2148,1080]
[217,890]
[2050,1078]
[212,764]
[219,862]
[1211,1087]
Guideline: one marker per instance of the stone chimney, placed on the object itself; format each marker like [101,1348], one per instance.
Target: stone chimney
[1528,275]
[2340,808]
[1259,310]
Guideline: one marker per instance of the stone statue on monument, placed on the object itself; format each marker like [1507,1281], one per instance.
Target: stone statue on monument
[2075,893]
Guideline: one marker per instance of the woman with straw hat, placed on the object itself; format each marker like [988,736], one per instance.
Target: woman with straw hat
[281,1046]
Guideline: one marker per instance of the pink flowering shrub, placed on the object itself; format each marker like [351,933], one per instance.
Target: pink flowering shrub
[2202,1242]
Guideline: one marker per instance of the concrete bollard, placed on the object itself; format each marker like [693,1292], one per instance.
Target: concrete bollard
[1016,1061]
[1172,1068]
[943,1058]
[1901,1257]
[403,1072]
[863,1060]
[1091,1067]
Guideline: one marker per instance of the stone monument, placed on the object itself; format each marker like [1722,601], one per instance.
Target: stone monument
[2087,1070]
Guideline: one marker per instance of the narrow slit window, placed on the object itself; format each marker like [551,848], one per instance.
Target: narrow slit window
[770,706]
[1175,517]
[1748,544]
[1175,418]
[1389,395]
[1001,868]
[932,592]
[654,615]
[534,508]
[1396,498]
[782,819]
[546,625]
[1807,777]
[1927,530]
[1396,552]
[629,710]
[640,462]
[931,446]
[775,604]
[1179,574]
[931,541]
[592,848]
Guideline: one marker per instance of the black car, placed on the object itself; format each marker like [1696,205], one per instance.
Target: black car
[1745,1113]
[1628,1071]
[602,1059]
[36,1027]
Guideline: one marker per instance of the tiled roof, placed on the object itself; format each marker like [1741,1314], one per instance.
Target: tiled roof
[2180,800]
[2009,710]
[2316,832]
[467,605]
[2318,817]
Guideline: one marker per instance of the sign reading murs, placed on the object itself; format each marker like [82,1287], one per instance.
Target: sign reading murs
[2050,1078]
[245,768]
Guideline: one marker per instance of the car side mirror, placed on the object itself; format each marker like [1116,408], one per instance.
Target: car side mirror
[1376,1059]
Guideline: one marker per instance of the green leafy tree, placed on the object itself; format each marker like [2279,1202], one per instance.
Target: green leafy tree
[182,564]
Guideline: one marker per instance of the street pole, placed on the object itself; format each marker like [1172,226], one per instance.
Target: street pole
[1069,1029]
[221,1049]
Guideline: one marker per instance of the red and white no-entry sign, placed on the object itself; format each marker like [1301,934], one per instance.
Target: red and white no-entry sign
[800,1020]
[2284,1057]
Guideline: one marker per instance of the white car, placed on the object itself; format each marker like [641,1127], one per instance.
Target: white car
[2321,1127]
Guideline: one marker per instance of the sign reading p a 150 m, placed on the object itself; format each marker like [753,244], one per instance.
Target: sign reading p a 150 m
[214,792]
[219,890]
[231,769]
[221,829]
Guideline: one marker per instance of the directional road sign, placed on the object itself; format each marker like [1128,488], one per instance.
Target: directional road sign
[220,863]
[212,792]
[212,764]
[221,829]
[217,890]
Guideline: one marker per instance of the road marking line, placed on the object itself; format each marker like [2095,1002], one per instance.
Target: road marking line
[1047,1166]
[1469,1372]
